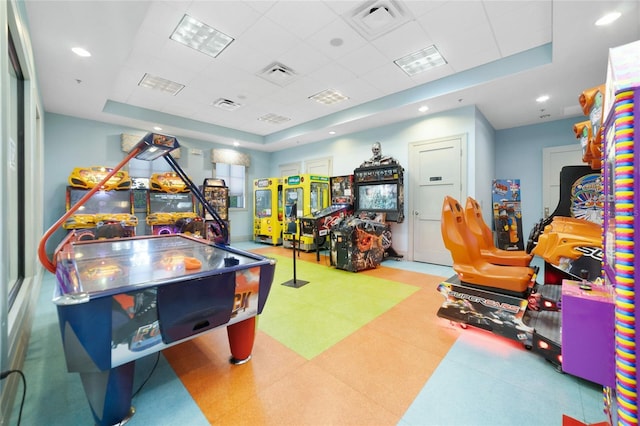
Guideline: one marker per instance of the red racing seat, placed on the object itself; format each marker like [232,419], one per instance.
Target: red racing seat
[470,266]
[488,250]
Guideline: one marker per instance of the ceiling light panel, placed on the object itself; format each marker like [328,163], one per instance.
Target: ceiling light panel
[273,118]
[163,85]
[328,97]
[200,36]
[420,61]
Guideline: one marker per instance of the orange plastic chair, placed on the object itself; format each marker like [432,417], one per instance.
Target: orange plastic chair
[488,250]
[470,266]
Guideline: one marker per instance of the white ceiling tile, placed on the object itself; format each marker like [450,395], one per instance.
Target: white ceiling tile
[290,15]
[407,39]
[129,38]
[231,17]
[337,29]
[363,59]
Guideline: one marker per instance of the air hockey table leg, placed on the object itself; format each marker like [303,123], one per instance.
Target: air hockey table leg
[109,394]
[241,337]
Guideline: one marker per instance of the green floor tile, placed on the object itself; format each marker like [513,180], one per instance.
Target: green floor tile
[334,304]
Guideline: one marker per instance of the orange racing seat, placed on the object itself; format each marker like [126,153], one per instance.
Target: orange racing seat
[560,239]
[484,236]
[470,266]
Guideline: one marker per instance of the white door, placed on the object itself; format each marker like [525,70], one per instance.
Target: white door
[436,168]
[553,160]
[319,166]
[291,169]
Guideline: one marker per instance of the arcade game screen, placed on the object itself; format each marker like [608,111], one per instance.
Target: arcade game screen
[100,202]
[165,202]
[381,196]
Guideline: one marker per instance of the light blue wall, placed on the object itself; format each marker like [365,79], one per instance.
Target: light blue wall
[513,153]
[519,156]
[484,164]
[73,142]
[349,151]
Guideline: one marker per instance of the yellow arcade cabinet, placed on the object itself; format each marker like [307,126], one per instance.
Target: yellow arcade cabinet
[303,195]
[108,213]
[267,211]
[171,207]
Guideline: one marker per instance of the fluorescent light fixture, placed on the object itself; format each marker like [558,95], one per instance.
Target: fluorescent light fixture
[420,61]
[328,97]
[543,98]
[273,118]
[608,18]
[200,36]
[81,52]
[157,83]
[423,108]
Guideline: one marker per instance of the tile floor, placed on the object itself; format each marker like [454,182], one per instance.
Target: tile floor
[379,356]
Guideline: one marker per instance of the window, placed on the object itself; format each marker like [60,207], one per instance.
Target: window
[234,177]
[15,227]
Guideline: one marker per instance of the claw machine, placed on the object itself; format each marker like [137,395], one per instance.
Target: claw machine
[267,211]
[303,195]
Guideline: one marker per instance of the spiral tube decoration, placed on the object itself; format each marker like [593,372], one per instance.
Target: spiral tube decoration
[625,320]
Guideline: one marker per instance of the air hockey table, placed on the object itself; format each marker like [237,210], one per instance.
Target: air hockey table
[120,300]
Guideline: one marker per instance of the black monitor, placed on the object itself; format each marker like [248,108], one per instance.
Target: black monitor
[101,202]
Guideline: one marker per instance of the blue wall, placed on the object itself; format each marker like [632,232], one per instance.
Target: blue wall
[519,156]
[513,153]
[73,142]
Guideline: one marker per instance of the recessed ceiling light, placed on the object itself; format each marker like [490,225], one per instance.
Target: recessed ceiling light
[543,98]
[157,128]
[332,132]
[81,52]
[423,108]
[328,97]
[157,83]
[236,143]
[420,61]
[608,18]
[200,36]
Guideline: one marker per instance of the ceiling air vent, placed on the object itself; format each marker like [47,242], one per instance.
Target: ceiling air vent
[278,74]
[374,18]
[226,104]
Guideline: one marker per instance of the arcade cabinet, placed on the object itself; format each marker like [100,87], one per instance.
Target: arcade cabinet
[379,194]
[621,160]
[171,207]
[121,300]
[267,211]
[318,225]
[505,298]
[364,240]
[216,192]
[108,213]
[303,195]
